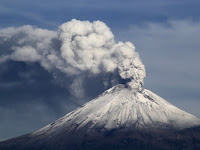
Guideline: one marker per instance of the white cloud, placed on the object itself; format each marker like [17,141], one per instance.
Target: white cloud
[78,49]
[25,54]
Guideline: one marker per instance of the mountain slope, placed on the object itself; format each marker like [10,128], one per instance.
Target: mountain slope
[121,107]
[119,118]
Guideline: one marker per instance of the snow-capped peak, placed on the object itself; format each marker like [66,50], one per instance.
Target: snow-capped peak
[121,107]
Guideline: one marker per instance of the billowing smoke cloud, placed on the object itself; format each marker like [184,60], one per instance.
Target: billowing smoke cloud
[79,50]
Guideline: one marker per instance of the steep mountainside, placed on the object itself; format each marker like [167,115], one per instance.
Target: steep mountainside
[133,119]
[121,107]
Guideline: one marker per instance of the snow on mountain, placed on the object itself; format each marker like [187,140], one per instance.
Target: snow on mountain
[122,107]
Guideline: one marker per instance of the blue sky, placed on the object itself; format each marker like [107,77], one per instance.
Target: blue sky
[166,34]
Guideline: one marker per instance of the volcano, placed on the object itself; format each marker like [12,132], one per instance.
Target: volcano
[120,118]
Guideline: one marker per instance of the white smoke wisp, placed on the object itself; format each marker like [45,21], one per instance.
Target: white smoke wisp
[77,49]
[91,47]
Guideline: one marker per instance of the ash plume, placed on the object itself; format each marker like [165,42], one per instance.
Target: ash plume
[78,52]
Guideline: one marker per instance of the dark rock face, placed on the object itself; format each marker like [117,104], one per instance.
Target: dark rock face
[188,139]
